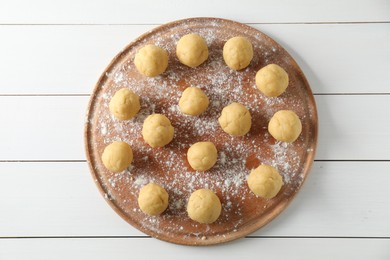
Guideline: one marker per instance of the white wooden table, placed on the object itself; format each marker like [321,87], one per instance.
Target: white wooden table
[51,55]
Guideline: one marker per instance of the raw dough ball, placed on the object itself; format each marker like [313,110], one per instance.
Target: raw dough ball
[192,50]
[157,130]
[124,104]
[117,156]
[193,101]
[285,126]
[238,53]
[151,60]
[202,156]
[235,119]
[153,199]
[272,80]
[265,181]
[204,206]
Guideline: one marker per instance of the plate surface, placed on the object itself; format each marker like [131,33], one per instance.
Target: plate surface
[242,212]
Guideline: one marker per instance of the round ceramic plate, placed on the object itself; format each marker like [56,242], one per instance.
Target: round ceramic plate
[242,212]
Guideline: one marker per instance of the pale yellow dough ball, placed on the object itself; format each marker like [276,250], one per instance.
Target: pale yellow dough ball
[153,199]
[272,80]
[192,50]
[157,130]
[117,156]
[235,119]
[204,206]
[202,156]
[151,60]
[265,181]
[124,104]
[193,101]
[238,53]
[285,126]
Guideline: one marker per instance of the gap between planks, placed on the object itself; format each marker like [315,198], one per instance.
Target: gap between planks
[158,24]
[145,236]
[87,94]
[84,161]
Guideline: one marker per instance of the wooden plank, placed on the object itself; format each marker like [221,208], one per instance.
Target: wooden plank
[333,57]
[70,59]
[59,59]
[271,248]
[54,199]
[42,128]
[339,199]
[149,11]
[51,128]
[351,127]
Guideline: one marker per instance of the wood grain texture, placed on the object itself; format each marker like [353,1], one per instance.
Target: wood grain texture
[160,11]
[346,198]
[272,248]
[245,212]
[51,128]
[69,59]
[339,199]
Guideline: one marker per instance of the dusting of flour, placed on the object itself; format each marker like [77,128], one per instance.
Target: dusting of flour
[228,177]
